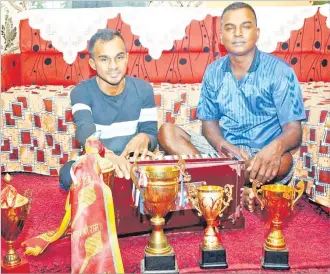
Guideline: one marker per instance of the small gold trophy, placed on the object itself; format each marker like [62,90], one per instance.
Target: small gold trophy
[278,200]
[14,211]
[210,202]
[158,198]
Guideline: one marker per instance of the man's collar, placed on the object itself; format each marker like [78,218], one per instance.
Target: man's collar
[254,65]
[256,61]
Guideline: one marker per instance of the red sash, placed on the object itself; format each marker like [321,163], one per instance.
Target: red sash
[89,209]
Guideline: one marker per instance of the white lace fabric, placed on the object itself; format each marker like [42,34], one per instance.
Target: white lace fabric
[70,29]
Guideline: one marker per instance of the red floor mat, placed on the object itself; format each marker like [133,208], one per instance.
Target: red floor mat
[307,236]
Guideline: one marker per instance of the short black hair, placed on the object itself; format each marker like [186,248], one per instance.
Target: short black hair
[239,5]
[104,35]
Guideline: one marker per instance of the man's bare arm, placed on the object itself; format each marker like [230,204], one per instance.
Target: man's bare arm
[266,165]
[290,138]
[212,132]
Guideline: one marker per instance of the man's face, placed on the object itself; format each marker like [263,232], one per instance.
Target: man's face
[110,60]
[239,32]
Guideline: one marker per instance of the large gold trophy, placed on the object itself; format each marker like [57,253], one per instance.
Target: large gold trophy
[278,200]
[211,201]
[14,211]
[158,198]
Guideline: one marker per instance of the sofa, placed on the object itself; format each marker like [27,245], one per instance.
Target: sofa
[38,130]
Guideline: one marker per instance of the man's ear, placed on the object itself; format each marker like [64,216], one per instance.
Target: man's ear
[221,33]
[92,63]
[258,33]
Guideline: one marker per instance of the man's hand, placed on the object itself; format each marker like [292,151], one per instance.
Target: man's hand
[105,165]
[138,145]
[240,152]
[265,165]
[120,163]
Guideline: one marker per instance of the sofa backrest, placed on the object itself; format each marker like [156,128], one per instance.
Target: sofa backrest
[39,63]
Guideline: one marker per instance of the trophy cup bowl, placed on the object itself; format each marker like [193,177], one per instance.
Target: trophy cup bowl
[211,201]
[279,201]
[12,223]
[158,197]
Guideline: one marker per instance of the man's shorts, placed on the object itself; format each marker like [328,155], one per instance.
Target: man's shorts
[204,147]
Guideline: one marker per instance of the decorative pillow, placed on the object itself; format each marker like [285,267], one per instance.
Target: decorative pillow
[38,130]
[177,103]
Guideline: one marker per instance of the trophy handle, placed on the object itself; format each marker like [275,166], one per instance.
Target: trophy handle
[300,191]
[229,193]
[192,196]
[133,177]
[256,193]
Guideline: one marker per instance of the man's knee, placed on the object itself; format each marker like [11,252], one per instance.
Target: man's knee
[168,132]
[286,164]
[65,179]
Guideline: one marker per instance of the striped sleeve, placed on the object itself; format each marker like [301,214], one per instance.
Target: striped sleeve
[148,115]
[287,96]
[208,108]
[82,113]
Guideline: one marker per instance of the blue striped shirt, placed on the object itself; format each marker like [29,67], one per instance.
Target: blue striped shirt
[251,111]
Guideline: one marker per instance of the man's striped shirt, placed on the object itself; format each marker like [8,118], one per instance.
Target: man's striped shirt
[251,110]
[119,118]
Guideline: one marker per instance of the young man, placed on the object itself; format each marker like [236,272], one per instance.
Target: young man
[122,108]
[250,101]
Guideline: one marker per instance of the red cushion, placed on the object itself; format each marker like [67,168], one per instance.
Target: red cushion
[51,69]
[10,71]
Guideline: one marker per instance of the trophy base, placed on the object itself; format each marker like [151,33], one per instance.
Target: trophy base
[277,260]
[22,267]
[213,259]
[166,264]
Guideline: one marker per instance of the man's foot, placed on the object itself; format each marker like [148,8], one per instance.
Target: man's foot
[249,199]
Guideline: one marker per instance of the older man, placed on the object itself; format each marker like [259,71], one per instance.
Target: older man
[250,101]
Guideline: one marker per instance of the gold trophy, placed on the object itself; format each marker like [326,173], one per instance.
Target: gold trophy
[158,198]
[14,211]
[278,200]
[210,202]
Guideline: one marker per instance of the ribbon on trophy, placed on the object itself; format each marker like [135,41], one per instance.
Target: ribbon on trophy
[181,192]
[136,194]
[89,217]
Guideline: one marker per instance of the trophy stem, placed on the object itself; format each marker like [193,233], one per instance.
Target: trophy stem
[158,244]
[11,258]
[275,239]
[210,239]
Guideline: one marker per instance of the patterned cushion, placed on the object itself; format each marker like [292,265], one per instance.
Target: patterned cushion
[178,104]
[313,157]
[38,134]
